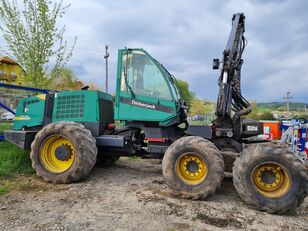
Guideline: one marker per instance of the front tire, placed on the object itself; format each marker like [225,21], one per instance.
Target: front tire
[269,178]
[63,152]
[193,167]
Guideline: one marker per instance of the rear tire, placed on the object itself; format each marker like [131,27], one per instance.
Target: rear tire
[63,152]
[193,167]
[269,178]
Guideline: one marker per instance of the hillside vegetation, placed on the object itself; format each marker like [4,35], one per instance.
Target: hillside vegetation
[294,106]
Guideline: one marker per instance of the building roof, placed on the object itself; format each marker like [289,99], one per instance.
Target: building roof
[8,60]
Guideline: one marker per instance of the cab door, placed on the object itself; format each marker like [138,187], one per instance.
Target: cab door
[143,93]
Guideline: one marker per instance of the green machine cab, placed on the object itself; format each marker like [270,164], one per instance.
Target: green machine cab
[147,92]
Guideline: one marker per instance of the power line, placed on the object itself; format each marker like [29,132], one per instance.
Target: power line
[82,40]
[86,41]
[90,51]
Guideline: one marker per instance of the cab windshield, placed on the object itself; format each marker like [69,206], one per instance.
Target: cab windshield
[141,76]
[172,80]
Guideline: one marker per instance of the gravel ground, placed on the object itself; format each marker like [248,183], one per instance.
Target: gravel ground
[132,195]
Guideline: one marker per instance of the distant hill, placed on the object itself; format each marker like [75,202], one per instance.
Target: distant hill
[280,105]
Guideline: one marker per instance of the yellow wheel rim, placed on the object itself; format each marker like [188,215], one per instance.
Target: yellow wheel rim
[191,169]
[57,154]
[271,180]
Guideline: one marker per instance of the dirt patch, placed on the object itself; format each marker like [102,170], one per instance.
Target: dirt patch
[132,195]
[219,222]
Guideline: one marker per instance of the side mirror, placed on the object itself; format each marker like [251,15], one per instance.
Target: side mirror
[216,64]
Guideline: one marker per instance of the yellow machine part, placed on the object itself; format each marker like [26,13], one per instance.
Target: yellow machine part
[191,169]
[57,154]
[271,180]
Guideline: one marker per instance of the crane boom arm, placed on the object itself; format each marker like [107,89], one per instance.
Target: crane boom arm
[230,97]
[231,105]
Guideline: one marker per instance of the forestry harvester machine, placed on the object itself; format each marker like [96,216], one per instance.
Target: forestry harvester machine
[69,131]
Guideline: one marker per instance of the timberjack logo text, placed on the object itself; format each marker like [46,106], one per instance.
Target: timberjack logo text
[144,105]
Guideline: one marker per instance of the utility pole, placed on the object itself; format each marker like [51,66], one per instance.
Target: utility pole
[288,103]
[106,57]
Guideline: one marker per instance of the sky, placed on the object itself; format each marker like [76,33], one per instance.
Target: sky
[185,36]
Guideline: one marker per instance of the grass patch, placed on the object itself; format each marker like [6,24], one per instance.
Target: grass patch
[7,185]
[198,122]
[13,161]
[5,126]
[3,189]
[133,158]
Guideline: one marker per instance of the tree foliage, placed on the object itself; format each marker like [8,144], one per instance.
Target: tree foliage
[33,38]
[201,107]
[254,113]
[209,107]
[185,92]
[267,115]
[259,114]
[197,107]
[66,80]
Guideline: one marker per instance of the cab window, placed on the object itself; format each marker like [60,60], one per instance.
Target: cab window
[142,76]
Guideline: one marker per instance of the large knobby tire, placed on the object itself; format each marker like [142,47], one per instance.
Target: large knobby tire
[269,178]
[63,152]
[193,167]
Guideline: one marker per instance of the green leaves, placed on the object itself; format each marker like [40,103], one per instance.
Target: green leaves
[185,92]
[33,38]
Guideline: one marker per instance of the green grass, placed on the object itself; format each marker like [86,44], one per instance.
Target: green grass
[4,126]
[7,185]
[13,161]
[198,122]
